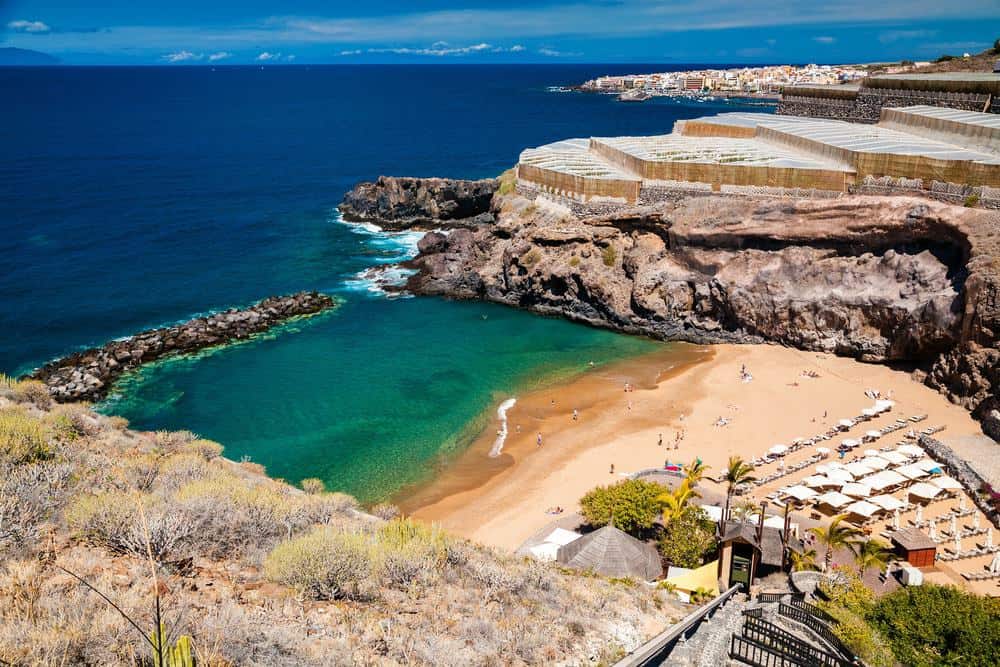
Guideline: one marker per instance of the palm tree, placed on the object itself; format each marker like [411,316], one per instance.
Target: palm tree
[869,554]
[694,471]
[673,503]
[738,472]
[805,561]
[745,509]
[835,536]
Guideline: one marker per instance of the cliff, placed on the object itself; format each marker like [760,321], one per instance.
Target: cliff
[876,278]
[88,375]
[402,203]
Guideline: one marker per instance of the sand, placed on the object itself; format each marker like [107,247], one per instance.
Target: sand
[502,501]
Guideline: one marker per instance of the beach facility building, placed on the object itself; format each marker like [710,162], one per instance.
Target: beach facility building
[918,147]
[611,552]
[748,551]
[914,547]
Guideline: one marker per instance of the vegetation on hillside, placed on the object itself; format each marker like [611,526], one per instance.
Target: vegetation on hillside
[253,571]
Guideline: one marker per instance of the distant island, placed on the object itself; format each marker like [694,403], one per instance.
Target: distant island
[12,57]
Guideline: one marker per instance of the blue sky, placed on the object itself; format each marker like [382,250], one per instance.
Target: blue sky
[192,32]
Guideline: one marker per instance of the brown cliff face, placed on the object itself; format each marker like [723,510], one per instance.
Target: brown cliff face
[401,203]
[879,279]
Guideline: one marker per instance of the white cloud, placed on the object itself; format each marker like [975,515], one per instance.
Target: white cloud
[290,57]
[220,55]
[34,27]
[517,48]
[438,49]
[890,36]
[266,56]
[352,52]
[553,53]
[824,40]
[182,56]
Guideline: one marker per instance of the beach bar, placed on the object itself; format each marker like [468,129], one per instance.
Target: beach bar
[914,547]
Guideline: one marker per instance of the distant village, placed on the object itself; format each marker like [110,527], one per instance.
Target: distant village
[744,81]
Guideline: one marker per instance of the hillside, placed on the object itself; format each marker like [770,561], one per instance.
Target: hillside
[254,571]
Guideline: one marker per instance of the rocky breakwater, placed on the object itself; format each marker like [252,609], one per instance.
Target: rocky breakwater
[89,375]
[404,203]
[881,279]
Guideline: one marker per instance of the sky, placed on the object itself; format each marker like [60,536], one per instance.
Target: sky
[212,32]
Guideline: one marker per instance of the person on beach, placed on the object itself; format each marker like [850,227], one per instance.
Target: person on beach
[612,468]
[660,443]
[576,415]
[539,439]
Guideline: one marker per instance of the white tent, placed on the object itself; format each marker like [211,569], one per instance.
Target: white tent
[840,474]
[822,469]
[863,508]
[923,490]
[799,492]
[778,450]
[884,405]
[834,499]
[875,462]
[858,469]
[869,412]
[887,502]
[910,450]
[871,452]
[562,537]
[912,471]
[856,490]
[845,423]
[947,483]
[546,551]
[895,458]
[850,443]
[774,522]
[714,512]
[872,435]
[823,451]
[819,481]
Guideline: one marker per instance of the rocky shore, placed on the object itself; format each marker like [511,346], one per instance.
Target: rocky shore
[89,375]
[404,203]
[881,279]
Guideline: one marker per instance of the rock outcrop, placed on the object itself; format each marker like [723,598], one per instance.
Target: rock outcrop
[881,279]
[88,375]
[403,203]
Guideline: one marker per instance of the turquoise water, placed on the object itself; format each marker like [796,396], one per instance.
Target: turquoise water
[136,197]
[378,412]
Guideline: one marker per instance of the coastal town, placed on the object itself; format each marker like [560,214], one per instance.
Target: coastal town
[765,81]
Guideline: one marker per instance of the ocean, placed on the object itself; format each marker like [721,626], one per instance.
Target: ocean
[137,197]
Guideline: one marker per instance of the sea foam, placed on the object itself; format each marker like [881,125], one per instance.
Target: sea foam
[392,247]
[502,432]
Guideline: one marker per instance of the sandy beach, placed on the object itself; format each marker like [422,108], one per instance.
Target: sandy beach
[696,391]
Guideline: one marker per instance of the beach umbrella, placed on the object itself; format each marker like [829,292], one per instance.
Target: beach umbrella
[800,492]
[840,475]
[895,518]
[947,483]
[834,499]
[858,469]
[932,531]
[845,423]
[871,452]
[822,468]
[816,481]
[887,502]
[961,502]
[989,538]
[824,451]
[876,462]
[928,465]
[884,405]
[778,450]
[895,458]
[850,443]
[863,508]
[958,545]
[910,450]
[953,525]
[924,490]
[920,513]
[868,413]
[995,564]
[856,490]
[873,435]
[975,521]
[912,472]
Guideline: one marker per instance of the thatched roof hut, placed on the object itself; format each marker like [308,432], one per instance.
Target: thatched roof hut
[612,553]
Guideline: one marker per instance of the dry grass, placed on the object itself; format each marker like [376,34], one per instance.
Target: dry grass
[256,571]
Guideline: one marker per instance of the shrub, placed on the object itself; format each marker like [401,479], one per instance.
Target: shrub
[609,255]
[22,438]
[508,182]
[531,258]
[971,201]
[25,391]
[574,261]
[206,449]
[688,538]
[935,625]
[385,511]
[128,523]
[313,485]
[632,503]
[861,638]
[324,564]
[182,469]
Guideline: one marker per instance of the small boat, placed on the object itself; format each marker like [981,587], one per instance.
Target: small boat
[634,96]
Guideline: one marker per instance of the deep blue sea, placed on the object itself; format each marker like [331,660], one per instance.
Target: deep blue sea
[136,197]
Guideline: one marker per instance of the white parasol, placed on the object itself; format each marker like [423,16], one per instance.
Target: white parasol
[895,519]
[989,538]
[953,525]
[920,513]
[932,531]
[778,450]
[961,501]
[975,521]
[958,545]
[995,564]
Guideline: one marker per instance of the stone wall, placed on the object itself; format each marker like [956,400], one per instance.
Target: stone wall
[952,193]
[974,483]
[867,106]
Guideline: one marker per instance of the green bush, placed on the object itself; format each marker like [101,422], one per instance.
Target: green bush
[866,642]
[324,564]
[689,538]
[531,258]
[410,551]
[971,201]
[632,503]
[313,485]
[939,625]
[23,438]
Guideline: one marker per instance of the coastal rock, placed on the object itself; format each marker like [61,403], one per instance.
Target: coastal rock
[89,375]
[880,279]
[403,203]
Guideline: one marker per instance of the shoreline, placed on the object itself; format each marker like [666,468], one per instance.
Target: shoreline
[503,501]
